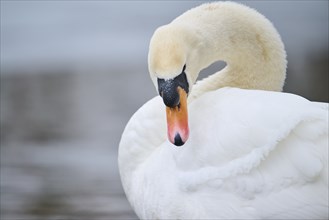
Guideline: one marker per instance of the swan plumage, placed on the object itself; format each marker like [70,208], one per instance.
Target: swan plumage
[251,154]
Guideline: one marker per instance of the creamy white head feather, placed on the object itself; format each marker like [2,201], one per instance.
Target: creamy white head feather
[226,31]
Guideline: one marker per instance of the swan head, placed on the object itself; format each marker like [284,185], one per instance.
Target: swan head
[247,42]
[171,75]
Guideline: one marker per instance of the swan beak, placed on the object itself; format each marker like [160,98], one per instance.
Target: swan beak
[177,120]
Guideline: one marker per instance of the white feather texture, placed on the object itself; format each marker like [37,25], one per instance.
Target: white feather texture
[252,154]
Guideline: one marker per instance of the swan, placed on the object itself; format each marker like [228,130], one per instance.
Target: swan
[249,151]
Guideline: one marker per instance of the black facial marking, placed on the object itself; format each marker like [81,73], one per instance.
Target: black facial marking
[184,67]
[168,92]
[168,88]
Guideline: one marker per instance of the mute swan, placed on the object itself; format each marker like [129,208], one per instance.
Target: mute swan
[252,152]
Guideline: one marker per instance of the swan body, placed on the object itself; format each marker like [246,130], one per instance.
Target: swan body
[252,152]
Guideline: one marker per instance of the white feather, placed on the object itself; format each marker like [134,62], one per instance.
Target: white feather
[252,154]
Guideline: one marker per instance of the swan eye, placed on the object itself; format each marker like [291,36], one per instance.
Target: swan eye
[181,80]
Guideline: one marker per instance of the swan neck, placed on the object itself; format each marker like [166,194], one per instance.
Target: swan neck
[246,41]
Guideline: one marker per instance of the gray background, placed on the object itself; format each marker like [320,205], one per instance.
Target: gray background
[73,73]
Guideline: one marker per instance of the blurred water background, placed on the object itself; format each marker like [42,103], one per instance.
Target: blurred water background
[73,73]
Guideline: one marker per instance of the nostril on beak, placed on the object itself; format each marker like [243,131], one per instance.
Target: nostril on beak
[178,140]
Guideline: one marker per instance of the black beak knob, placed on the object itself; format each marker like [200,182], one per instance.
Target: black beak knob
[168,89]
[168,92]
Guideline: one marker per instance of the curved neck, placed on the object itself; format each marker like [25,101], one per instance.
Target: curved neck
[248,43]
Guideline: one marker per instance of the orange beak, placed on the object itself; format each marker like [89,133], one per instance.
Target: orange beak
[177,120]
